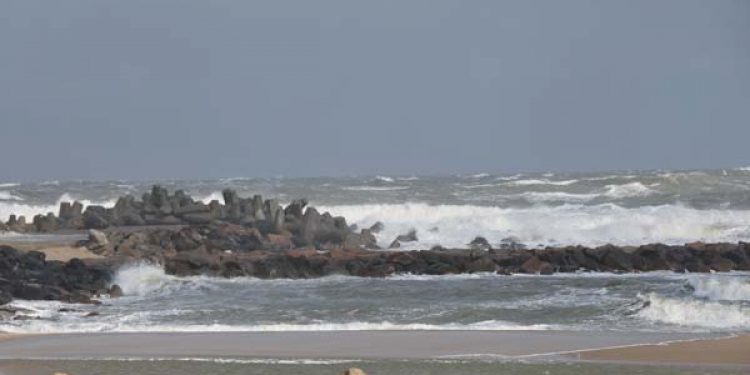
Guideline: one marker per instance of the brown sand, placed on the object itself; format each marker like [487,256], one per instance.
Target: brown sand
[54,250]
[728,351]
[6,336]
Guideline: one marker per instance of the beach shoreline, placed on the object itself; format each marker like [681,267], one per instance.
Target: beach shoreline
[417,344]
[23,354]
[731,350]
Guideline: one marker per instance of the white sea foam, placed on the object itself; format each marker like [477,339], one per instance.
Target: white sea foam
[84,325]
[633,189]
[220,360]
[695,313]
[557,196]
[214,196]
[384,178]
[508,178]
[9,184]
[8,196]
[375,188]
[456,225]
[721,287]
[541,182]
[140,279]
[30,210]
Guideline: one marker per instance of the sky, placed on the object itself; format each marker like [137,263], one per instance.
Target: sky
[207,89]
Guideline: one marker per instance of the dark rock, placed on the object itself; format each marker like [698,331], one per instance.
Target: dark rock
[192,208]
[295,208]
[97,239]
[615,258]
[311,224]
[95,217]
[377,227]
[721,264]
[230,197]
[45,223]
[115,291]
[65,209]
[535,266]
[198,218]
[5,297]
[408,237]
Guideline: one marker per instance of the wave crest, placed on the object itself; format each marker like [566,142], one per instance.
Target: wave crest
[694,313]
[721,288]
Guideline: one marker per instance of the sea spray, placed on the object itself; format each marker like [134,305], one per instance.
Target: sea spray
[721,287]
[142,278]
[456,225]
[694,313]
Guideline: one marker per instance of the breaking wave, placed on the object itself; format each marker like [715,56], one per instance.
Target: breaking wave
[593,225]
[80,326]
[19,207]
[541,182]
[694,313]
[633,189]
[140,279]
[375,188]
[7,196]
[721,288]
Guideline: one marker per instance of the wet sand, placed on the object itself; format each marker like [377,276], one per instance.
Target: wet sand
[54,249]
[342,344]
[725,351]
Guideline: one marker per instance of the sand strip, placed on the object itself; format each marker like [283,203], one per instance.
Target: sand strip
[725,351]
[54,250]
[341,344]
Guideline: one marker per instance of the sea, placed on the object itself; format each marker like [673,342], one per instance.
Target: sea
[537,210]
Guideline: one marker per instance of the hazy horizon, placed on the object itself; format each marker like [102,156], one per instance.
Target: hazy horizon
[189,90]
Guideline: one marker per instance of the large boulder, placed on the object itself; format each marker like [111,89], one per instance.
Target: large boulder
[95,217]
[296,208]
[45,223]
[311,224]
[536,266]
[97,239]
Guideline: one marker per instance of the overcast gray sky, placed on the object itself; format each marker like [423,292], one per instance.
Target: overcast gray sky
[200,89]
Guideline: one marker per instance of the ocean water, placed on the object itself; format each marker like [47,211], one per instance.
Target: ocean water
[650,302]
[627,208]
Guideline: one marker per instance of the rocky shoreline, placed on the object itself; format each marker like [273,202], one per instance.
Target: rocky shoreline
[261,238]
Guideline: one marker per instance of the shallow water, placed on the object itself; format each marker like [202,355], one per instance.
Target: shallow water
[155,302]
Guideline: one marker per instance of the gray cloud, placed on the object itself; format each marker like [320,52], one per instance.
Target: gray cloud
[181,89]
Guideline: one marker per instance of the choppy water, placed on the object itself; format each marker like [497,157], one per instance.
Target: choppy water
[537,209]
[156,302]
[544,209]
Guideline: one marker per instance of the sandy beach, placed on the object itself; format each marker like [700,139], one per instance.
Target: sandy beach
[538,350]
[724,351]
[53,249]
[341,344]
